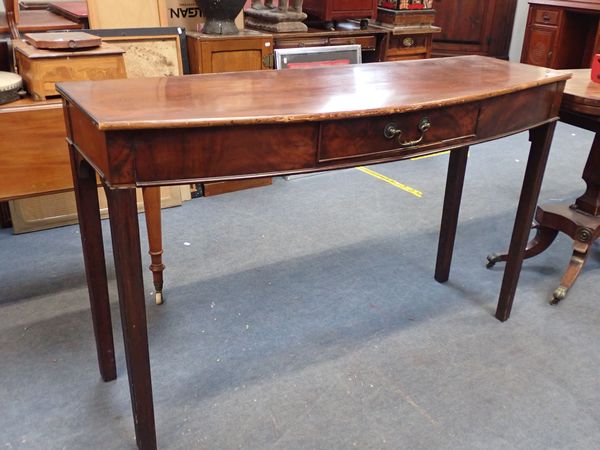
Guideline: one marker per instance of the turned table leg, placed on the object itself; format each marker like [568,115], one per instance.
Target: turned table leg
[153,225]
[86,196]
[124,227]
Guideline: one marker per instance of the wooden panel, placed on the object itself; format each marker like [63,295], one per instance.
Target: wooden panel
[34,157]
[124,14]
[474,27]
[234,55]
[55,210]
[39,20]
[214,152]
[236,60]
[95,142]
[507,113]
[541,45]
[499,29]
[364,137]
[223,187]
[461,20]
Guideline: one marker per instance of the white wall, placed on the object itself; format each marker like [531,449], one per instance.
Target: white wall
[516,44]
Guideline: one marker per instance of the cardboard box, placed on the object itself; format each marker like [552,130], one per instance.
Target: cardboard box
[186,14]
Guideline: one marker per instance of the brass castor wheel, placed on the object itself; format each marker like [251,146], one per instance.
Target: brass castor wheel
[559,294]
[492,260]
[158,298]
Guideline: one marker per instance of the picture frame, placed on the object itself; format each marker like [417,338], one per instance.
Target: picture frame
[155,51]
[305,57]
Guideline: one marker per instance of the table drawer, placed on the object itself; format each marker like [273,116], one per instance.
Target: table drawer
[301,42]
[366,42]
[370,136]
[546,16]
[403,46]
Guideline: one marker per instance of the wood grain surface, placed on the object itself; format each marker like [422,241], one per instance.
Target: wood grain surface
[321,94]
[582,94]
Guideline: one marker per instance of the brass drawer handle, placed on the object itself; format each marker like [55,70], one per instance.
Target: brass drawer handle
[408,42]
[392,131]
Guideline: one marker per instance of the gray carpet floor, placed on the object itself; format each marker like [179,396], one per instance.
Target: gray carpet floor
[304,315]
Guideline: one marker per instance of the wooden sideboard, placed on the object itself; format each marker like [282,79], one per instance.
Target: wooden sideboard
[145,132]
[474,27]
[562,34]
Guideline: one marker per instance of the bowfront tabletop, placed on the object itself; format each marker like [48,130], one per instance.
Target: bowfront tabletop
[299,95]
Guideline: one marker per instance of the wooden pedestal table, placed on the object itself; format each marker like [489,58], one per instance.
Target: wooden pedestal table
[161,131]
[581,220]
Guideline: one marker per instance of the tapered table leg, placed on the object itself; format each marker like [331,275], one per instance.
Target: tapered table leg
[86,196]
[153,225]
[541,138]
[454,187]
[124,226]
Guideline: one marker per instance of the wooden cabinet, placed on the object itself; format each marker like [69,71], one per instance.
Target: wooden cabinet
[474,27]
[248,50]
[411,33]
[561,34]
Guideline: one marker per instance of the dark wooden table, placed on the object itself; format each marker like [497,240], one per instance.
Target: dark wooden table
[161,131]
[580,220]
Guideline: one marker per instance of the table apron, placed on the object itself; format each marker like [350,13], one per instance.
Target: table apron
[166,156]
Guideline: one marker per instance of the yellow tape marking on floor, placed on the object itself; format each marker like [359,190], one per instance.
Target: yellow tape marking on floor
[430,156]
[395,183]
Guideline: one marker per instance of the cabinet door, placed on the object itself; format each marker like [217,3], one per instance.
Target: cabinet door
[461,20]
[236,55]
[540,47]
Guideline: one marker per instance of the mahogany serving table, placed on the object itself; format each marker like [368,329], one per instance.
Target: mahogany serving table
[214,127]
[580,220]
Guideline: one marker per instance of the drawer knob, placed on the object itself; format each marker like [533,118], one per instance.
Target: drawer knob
[392,131]
[408,42]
